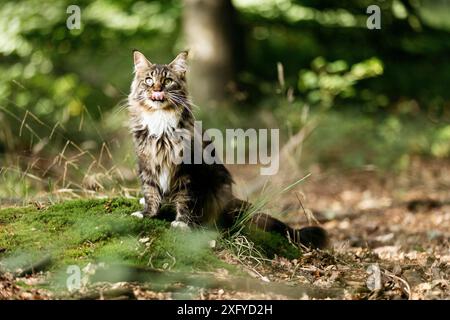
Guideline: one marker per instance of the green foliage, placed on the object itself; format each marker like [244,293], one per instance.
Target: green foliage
[354,140]
[412,34]
[327,80]
[440,144]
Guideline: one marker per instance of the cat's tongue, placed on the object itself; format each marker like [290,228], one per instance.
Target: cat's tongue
[157,95]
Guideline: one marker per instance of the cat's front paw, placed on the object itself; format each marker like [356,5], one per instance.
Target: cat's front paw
[180,225]
[138,214]
[142,214]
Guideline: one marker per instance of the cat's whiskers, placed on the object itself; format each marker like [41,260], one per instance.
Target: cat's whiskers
[188,98]
[180,102]
[122,105]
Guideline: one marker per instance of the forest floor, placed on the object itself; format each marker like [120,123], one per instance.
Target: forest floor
[389,240]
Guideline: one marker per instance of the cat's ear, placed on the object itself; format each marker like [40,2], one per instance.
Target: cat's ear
[179,64]
[140,61]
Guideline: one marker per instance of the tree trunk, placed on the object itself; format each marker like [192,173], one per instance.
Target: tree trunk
[209,32]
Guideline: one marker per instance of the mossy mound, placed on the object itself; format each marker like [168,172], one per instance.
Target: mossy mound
[85,231]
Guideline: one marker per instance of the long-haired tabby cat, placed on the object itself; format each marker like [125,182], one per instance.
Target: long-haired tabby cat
[201,194]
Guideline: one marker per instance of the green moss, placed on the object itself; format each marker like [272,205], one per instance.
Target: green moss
[82,231]
[272,244]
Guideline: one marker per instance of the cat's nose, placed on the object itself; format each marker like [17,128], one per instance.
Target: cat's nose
[157,86]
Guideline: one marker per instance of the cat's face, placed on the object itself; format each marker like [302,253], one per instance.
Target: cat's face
[159,86]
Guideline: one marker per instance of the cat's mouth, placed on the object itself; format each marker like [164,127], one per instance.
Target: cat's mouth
[157,100]
[158,96]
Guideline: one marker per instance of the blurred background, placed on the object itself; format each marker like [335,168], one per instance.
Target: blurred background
[344,97]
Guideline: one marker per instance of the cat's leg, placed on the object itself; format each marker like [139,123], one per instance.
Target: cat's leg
[152,196]
[183,217]
[152,201]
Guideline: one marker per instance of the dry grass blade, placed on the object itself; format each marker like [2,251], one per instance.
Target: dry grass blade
[406,287]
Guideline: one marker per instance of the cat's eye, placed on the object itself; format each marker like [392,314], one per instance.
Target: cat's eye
[167,81]
[149,81]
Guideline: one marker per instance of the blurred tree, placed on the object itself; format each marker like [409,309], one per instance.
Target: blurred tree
[209,31]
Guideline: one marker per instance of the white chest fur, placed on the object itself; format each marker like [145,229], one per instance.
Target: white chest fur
[159,121]
[164,180]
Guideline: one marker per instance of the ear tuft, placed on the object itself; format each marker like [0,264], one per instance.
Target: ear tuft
[140,61]
[179,64]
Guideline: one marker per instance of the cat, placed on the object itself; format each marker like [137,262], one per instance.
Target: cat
[161,122]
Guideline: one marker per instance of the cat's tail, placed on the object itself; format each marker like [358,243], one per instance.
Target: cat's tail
[313,236]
